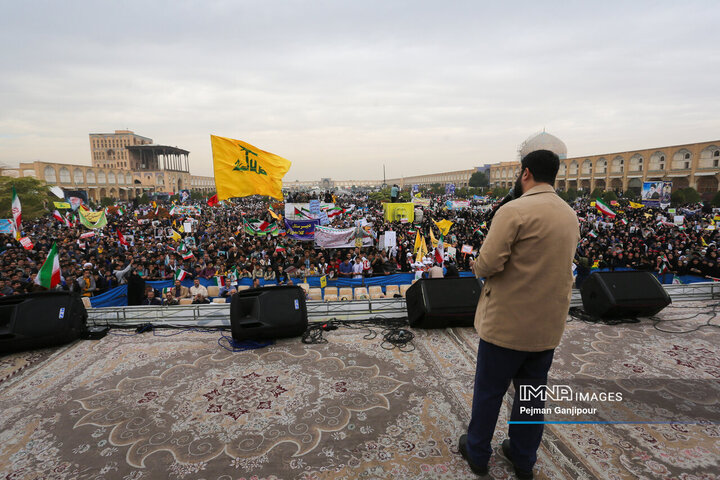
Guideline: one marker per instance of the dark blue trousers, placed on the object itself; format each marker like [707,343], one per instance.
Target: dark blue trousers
[496,367]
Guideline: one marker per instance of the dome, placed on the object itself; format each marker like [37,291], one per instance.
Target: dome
[543,141]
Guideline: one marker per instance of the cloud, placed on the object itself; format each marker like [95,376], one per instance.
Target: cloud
[343,88]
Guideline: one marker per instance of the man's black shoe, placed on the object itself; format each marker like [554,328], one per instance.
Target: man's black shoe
[462,446]
[521,474]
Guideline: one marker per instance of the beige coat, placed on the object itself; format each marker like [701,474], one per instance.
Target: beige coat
[527,262]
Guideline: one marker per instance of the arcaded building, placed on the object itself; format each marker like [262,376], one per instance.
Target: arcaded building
[124,166]
[694,165]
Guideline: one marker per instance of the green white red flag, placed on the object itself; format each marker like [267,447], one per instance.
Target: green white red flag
[49,274]
[604,209]
[17,213]
[181,274]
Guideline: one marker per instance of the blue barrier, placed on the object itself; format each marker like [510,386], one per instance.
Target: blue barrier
[665,279]
[117,296]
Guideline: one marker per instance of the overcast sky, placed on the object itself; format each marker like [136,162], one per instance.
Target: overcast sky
[343,88]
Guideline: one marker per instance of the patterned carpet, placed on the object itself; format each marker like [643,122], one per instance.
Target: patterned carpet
[181,407]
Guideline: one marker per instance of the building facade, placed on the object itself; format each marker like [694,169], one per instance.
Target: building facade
[695,165]
[460,178]
[110,150]
[115,183]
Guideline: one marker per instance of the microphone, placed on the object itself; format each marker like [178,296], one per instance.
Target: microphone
[509,197]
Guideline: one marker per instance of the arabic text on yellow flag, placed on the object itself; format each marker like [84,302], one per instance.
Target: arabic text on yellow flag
[433,240]
[176,236]
[444,226]
[636,205]
[242,169]
[417,242]
[422,251]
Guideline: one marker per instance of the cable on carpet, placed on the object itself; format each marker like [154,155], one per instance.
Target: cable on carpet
[393,333]
[712,313]
[578,313]
[243,346]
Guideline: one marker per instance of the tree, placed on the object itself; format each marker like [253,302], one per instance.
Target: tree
[572,194]
[107,201]
[608,197]
[691,195]
[678,198]
[478,179]
[716,200]
[35,197]
[499,192]
[597,193]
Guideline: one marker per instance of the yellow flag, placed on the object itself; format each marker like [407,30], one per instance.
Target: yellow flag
[592,204]
[636,205]
[242,169]
[323,281]
[176,236]
[443,226]
[433,240]
[596,264]
[274,215]
[704,243]
[181,229]
[422,250]
[417,242]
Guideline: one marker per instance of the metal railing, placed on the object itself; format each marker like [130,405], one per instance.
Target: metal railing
[218,314]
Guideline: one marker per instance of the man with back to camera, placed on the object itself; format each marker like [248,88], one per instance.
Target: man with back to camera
[527,262]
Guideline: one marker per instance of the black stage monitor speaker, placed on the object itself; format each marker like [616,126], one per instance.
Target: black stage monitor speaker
[623,295]
[443,302]
[41,319]
[270,312]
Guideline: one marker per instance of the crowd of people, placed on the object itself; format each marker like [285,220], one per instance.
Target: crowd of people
[637,238]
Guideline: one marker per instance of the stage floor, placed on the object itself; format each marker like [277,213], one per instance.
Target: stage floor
[177,405]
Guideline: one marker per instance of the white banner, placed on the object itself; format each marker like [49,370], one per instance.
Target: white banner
[301,211]
[326,237]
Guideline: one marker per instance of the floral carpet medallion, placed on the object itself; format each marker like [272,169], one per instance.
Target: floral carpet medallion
[243,408]
[180,407]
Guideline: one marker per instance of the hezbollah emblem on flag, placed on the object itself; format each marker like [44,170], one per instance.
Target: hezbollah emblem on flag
[242,170]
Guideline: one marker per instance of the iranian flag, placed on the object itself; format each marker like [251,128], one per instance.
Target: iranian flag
[49,274]
[623,221]
[335,211]
[59,217]
[121,239]
[17,213]
[592,234]
[220,281]
[184,251]
[440,250]
[181,274]
[280,249]
[604,209]
[172,210]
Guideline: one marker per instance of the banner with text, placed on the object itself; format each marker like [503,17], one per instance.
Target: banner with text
[301,229]
[326,237]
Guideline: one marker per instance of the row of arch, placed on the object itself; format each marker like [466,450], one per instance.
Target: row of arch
[79,177]
[681,160]
[704,184]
